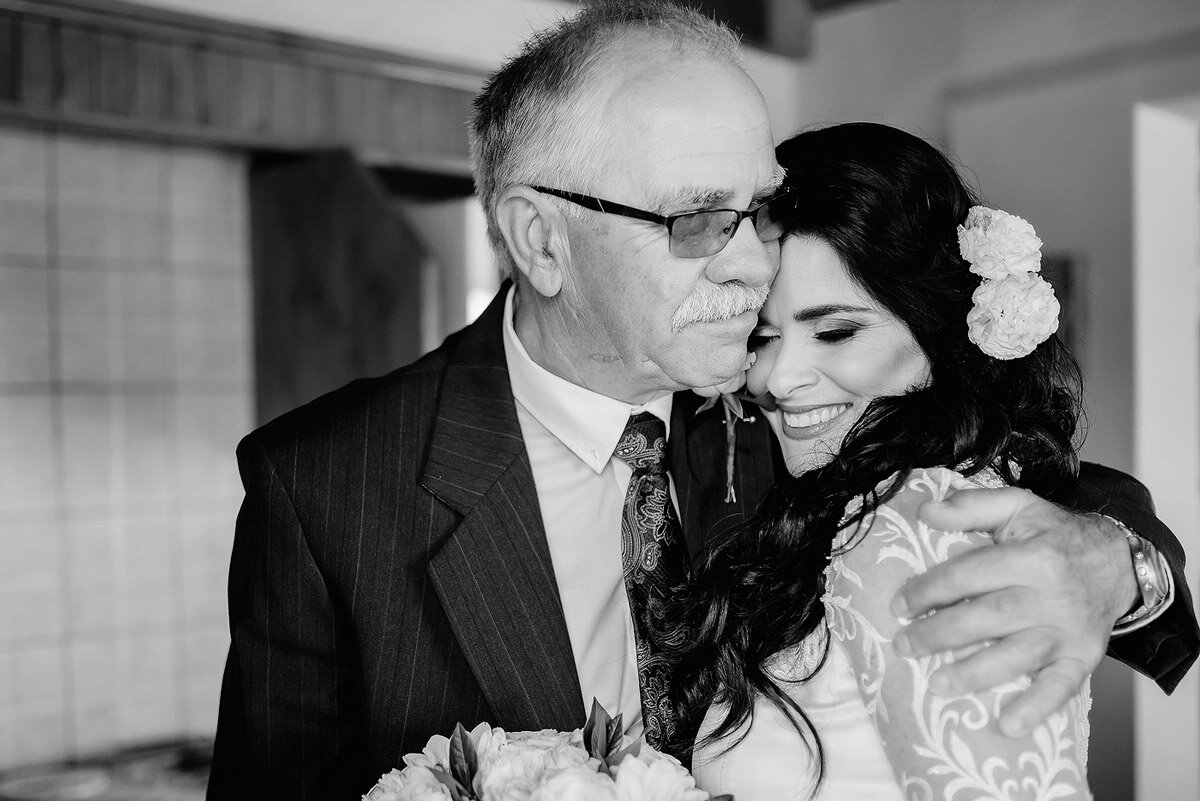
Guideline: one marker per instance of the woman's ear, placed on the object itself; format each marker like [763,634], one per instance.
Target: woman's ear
[535,231]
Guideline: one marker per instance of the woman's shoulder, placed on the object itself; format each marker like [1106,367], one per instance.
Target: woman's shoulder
[939,483]
[912,489]
[876,552]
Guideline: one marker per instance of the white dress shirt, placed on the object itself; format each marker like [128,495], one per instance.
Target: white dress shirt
[570,434]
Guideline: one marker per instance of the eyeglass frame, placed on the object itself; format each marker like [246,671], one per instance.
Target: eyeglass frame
[668,220]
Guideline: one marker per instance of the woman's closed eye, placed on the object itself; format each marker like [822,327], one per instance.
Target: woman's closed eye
[836,334]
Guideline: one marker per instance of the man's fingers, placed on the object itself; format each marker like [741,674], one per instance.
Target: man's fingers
[977,510]
[976,572]
[1052,687]
[988,617]
[1002,661]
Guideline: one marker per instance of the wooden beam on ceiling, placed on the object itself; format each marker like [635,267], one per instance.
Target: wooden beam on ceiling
[110,67]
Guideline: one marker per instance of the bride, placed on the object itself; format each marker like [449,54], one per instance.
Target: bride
[906,353]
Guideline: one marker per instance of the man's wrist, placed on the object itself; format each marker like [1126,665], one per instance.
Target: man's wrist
[1153,579]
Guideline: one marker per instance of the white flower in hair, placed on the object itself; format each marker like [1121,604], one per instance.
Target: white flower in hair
[998,244]
[1012,316]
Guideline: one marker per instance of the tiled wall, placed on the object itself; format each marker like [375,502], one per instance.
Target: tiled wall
[125,383]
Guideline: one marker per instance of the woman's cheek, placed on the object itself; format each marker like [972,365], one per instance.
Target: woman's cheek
[756,376]
[775,423]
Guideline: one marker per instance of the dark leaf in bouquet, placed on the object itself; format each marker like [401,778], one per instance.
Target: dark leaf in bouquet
[725,797]
[632,750]
[595,732]
[615,728]
[463,761]
[457,791]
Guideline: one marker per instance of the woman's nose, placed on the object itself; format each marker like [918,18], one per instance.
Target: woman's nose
[791,374]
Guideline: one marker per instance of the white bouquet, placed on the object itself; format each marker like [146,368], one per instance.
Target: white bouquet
[588,764]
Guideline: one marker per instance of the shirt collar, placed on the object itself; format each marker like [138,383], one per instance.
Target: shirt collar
[588,423]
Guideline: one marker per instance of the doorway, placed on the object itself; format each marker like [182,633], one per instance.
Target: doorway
[1166,356]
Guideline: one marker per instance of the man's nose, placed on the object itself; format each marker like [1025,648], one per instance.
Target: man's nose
[745,258]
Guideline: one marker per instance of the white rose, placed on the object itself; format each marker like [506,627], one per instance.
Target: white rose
[411,784]
[1011,317]
[515,769]
[578,783]
[547,738]
[487,741]
[998,244]
[436,752]
[650,755]
[657,779]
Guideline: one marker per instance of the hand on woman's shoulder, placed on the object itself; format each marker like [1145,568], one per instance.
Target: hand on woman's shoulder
[874,556]
[939,746]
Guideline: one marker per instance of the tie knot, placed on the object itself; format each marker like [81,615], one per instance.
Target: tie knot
[643,444]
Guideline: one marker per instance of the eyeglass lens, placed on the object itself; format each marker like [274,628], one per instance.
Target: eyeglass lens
[704,233]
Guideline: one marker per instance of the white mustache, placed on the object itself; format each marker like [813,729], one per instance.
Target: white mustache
[712,302]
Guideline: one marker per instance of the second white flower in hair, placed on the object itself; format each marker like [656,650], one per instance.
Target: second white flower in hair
[1012,316]
[998,244]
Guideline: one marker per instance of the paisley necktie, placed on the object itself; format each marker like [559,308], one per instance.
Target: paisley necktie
[655,562]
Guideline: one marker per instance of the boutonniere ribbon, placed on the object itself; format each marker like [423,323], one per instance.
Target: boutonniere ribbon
[734,411]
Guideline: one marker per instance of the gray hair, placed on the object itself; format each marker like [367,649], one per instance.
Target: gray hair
[531,121]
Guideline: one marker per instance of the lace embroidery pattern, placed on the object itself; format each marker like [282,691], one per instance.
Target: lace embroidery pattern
[940,737]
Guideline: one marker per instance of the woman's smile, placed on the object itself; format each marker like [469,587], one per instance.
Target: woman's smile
[805,422]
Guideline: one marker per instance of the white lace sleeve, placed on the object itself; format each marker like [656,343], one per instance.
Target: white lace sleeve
[939,747]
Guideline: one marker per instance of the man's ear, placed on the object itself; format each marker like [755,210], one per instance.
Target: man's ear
[535,231]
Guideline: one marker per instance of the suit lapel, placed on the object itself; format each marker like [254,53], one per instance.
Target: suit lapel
[494,574]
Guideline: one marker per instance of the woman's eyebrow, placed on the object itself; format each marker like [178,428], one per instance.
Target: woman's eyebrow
[816,312]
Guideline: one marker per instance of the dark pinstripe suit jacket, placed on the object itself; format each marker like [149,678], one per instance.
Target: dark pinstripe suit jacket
[391,577]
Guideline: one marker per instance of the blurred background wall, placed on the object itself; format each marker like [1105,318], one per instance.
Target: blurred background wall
[139,337]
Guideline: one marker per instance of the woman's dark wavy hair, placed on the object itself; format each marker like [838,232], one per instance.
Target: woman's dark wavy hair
[889,204]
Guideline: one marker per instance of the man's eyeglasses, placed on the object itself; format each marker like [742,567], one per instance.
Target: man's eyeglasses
[692,234]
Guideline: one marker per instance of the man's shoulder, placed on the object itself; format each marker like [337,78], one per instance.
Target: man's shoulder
[407,394]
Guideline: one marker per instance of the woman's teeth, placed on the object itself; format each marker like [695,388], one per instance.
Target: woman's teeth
[814,416]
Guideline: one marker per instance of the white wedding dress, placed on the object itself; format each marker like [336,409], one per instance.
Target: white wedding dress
[885,735]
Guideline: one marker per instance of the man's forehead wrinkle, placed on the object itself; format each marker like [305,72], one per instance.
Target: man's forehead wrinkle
[684,152]
[665,197]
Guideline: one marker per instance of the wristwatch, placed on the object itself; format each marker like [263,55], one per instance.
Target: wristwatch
[1153,577]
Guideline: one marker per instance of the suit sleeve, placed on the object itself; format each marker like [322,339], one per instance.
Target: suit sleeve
[1167,647]
[285,728]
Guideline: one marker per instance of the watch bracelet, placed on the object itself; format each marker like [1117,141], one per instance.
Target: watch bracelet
[1151,574]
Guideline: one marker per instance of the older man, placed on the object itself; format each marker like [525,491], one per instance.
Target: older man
[478,535]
